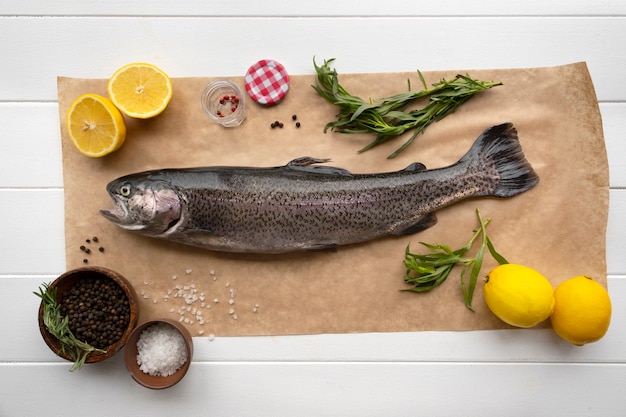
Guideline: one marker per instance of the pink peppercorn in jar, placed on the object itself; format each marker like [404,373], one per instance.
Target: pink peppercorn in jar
[224,103]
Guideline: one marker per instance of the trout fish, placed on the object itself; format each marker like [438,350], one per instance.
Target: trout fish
[307,206]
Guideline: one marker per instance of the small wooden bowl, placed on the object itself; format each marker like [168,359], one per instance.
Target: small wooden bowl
[64,283]
[156,381]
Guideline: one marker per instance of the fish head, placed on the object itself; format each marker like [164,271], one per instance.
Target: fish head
[150,207]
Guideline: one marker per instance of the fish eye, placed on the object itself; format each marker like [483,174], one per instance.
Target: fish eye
[125,190]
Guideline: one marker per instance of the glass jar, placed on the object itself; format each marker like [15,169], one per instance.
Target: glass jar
[224,103]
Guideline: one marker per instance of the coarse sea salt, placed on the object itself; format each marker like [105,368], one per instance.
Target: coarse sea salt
[161,350]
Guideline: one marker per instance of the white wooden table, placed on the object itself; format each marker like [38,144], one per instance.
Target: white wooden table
[487,373]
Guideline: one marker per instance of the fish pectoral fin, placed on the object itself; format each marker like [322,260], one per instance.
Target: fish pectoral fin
[305,163]
[426,221]
[198,238]
[415,167]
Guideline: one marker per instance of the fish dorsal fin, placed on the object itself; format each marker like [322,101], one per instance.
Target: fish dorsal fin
[306,163]
[415,167]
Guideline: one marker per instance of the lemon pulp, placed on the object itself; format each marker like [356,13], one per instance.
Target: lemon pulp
[140,90]
[95,126]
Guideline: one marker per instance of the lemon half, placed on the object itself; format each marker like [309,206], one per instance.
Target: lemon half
[95,125]
[140,90]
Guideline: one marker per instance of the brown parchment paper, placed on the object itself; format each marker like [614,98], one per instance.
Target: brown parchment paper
[559,227]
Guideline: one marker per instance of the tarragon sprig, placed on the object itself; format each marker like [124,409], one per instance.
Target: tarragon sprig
[58,326]
[387,117]
[430,270]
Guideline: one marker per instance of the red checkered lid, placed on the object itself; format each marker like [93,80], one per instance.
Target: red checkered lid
[267,82]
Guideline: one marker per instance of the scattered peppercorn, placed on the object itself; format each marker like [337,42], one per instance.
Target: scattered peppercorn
[297,124]
[88,241]
[294,117]
[82,247]
[85,261]
[101,249]
[95,239]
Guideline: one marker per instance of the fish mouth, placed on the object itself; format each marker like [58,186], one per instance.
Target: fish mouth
[120,215]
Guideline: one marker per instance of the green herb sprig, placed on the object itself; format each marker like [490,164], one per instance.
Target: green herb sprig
[58,326]
[387,116]
[428,271]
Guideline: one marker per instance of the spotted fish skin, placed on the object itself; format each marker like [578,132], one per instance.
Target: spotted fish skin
[307,206]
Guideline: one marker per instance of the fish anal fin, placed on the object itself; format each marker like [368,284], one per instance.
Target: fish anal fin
[415,167]
[426,221]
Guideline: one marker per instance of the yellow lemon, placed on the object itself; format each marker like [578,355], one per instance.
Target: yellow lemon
[95,125]
[140,90]
[582,310]
[518,295]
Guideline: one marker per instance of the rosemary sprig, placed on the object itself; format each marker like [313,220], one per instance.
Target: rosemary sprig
[428,271]
[387,117]
[58,326]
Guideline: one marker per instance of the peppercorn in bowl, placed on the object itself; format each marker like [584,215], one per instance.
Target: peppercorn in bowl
[158,353]
[87,314]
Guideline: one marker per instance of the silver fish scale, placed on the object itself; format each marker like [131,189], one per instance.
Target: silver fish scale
[280,211]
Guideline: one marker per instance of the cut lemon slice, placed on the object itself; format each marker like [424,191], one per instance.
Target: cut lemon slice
[140,90]
[95,125]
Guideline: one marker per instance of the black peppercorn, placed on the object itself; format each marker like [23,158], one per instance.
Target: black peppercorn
[297,124]
[98,311]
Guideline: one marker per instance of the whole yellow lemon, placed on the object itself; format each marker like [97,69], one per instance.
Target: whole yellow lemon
[582,310]
[518,295]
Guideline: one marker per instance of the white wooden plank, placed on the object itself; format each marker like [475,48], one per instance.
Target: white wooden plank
[33,232]
[328,389]
[317,8]
[614,120]
[32,145]
[616,232]
[95,47]
[23,343]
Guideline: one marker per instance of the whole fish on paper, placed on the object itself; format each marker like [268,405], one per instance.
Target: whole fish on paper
[306,206]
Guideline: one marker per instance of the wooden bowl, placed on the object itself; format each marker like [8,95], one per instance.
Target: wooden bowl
[156,381]
[64,283]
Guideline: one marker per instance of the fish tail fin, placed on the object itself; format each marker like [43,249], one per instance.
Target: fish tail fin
[498,150]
